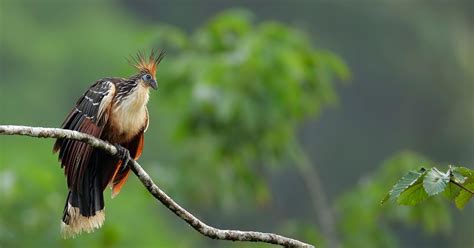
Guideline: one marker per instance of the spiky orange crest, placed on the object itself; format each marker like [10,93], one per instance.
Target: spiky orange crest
[148,64]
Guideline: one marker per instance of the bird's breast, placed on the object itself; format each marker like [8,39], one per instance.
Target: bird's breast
[128,116]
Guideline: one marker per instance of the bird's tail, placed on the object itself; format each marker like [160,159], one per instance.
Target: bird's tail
[84,210]
[77,218]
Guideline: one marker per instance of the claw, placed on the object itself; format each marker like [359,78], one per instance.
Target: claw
[124,155]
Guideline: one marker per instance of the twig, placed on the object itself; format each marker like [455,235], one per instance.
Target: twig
[312,181]
[203,228]
[462,186]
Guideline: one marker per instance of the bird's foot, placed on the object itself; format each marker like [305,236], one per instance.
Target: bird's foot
[124,155]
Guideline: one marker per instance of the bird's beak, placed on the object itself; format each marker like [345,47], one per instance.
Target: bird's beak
[154,84]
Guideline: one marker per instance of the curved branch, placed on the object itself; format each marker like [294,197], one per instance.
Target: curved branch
[203,228]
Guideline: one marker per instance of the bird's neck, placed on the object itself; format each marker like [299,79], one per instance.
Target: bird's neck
[135,100]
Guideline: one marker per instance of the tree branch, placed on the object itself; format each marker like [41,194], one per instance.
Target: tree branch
[461,186]
[198,225]
[312,181]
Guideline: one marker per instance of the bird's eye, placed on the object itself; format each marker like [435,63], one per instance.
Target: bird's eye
[146,77]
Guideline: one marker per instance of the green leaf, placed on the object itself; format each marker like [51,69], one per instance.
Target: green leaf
[451,191]
[464,196]
[414,194]
[385,199]
[435,181]
[464,172]
[458,177]
[404,183]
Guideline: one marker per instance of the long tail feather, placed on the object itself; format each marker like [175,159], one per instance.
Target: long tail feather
[75,221]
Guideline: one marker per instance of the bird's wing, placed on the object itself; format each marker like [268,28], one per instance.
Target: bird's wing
[88,116]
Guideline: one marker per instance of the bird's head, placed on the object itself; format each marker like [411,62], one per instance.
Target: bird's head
[146,66]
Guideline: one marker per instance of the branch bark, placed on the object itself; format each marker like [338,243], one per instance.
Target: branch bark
[462,186]
[197,224]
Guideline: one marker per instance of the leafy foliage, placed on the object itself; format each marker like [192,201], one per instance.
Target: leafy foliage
[413,188]
[361,206]
[435,181]
[406,181]
[237,91]
[413,193]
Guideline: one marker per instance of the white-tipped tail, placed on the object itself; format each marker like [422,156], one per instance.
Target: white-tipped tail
[79,223]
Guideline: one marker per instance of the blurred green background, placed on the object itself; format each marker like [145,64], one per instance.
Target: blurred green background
[293,117]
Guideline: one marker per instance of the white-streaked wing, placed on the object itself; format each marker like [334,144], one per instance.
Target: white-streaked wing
[88,116]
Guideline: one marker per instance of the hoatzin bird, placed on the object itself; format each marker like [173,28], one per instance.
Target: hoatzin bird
[112,109]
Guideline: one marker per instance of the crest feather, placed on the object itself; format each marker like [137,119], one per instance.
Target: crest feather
[147,64]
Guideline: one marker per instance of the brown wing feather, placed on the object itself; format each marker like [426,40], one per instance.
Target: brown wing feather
[88,116]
